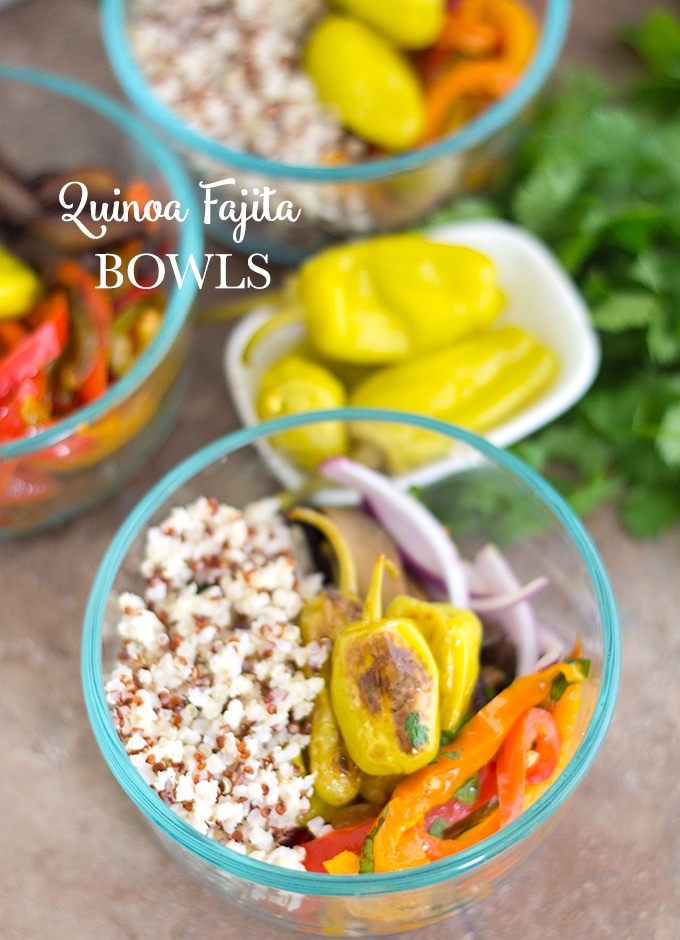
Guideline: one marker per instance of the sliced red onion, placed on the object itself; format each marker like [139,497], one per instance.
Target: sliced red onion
[551,647]
[420,537]
[519,619]
[500,603]
[475,584]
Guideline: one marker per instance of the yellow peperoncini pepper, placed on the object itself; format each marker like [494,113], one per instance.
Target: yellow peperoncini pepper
[385,690]
[394,297]
[410,24]
[477,384]
[455,637]
[336,777]
[295,384]
[20,286]
[371,85]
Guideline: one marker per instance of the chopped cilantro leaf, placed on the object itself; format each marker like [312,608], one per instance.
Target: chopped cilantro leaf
[438,828]
[452,755]
[367,861]
[418,734]
[469,791]
[560,682]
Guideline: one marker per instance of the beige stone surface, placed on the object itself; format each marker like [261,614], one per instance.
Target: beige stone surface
[76,860]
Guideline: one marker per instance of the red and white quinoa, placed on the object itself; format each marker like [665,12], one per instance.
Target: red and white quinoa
[231,69]
[213,690]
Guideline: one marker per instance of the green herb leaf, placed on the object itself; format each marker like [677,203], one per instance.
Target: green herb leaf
[438,828]
[625,311]
[469,791]
[598,178]
[647,510]
[561,682]
[367,860]
[668,438]
[542,198]
[418,734]
[657,40]
[452,755]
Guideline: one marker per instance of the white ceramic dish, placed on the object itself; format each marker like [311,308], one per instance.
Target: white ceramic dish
[539,297]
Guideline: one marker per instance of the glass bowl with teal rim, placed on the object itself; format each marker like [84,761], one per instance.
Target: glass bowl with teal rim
[338,200]
[81,443]
[491,499]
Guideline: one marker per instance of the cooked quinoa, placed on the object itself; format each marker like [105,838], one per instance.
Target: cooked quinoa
[213,690]
[231,69]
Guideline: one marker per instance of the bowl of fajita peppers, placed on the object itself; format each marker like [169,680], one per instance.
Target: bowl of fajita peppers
[372,115]
[92,361]
[361,718]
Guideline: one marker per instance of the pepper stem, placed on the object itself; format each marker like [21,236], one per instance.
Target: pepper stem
[345,568]
[373,602]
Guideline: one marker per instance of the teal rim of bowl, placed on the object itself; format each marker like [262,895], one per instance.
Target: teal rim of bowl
[263,873]
[553,33]
[190,243]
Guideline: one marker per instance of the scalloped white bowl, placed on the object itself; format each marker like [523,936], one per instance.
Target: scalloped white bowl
[539,297]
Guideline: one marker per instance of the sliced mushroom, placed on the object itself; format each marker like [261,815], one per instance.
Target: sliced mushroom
[367,539]
[67,236]
[99,182]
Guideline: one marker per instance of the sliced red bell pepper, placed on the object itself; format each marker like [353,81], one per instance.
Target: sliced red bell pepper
[347,839]
[39,347]
[23,408]
[528,754]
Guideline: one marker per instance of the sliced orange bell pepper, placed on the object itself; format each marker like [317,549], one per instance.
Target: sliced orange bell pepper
[466,33]
[491,78]
[397,843]
[491,42]
[516,26]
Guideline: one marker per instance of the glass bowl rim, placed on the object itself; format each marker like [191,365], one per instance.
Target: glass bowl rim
[552,36]
[189,243]
[263,873]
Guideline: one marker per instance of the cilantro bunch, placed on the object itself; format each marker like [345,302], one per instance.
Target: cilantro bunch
[598,179]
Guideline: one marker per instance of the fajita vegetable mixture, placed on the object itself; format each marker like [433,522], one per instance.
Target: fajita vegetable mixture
[300,721]
[63,340]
